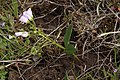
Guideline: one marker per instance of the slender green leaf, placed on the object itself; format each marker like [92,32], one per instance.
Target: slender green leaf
[115,56]
[66,76]
[67,35]
[15,7]
[70,49]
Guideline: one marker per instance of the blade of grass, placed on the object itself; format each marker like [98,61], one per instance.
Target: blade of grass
[115,56]
[66,76]
[15,7]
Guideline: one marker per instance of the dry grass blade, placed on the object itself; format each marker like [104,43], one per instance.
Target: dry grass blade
[103,34]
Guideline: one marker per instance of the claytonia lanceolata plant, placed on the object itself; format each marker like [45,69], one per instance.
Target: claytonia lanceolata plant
[23,34]
[26,16]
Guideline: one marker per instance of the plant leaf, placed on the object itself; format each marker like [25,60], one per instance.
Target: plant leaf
[70,49]
[67,35]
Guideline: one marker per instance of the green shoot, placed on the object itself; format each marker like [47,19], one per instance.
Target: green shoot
[69,48]
[67,35]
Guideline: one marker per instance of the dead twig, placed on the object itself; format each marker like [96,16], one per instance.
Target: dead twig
[103,34]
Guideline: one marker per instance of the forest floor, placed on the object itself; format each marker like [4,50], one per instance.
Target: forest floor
[95,36]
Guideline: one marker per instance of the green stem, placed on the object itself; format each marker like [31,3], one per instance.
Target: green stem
[33,25]
[44,35]
[49,39]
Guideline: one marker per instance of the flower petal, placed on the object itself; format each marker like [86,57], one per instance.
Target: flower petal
[28,14]
[18,34]
[25,34]
[23,19]
[10,37]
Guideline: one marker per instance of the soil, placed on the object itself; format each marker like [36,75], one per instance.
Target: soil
[54,63]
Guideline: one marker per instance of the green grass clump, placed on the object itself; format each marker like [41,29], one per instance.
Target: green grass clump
[13,47]
[3,74]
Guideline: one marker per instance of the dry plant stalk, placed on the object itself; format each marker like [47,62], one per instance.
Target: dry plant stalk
[103,34]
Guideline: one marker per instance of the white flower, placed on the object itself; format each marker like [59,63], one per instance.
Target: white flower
[23,34]
[23,19]
[27,15]
[10,37]
[18,34]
